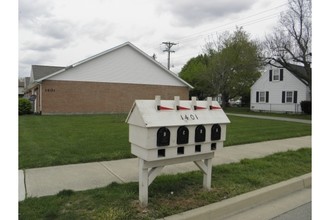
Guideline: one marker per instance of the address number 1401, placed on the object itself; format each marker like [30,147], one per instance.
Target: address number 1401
[186,117]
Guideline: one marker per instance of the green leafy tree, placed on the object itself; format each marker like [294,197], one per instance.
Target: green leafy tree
[234,64]
[193,72]
[229,66]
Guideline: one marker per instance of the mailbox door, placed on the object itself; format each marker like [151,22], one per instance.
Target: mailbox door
[200,133]
[215,132]
[182,135]
[163,136]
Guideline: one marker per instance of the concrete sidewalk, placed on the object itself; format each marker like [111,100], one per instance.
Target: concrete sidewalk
[45,181]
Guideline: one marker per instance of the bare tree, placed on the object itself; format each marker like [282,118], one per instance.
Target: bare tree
[291,41]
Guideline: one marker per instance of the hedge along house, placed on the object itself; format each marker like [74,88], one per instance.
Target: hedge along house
[279,90]
[108,82]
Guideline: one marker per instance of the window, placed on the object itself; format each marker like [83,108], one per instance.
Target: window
[276,75]
[262,96]
[289,97]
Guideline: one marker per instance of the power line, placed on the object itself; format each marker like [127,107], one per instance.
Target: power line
[169,51]
[217,28]
[233,22]
[246,21]
[251,22]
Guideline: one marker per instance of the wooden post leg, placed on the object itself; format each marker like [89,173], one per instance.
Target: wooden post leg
[143,184]
[206,167]
[207,177]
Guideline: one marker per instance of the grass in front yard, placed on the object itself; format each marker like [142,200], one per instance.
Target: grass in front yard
[169,194]
[243,130]
[57,140]
[246,110]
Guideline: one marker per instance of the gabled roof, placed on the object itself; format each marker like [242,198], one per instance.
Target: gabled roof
[62,70]
[40,71]
[26,82]
[299,69]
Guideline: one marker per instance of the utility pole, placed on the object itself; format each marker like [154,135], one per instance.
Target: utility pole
[169,51]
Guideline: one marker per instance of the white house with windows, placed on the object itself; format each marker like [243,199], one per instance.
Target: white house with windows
[279,90]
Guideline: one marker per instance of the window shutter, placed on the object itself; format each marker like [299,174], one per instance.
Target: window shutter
[281,74]
[283,96]
[267,97]
[295,96]
[270,75]
[257,97]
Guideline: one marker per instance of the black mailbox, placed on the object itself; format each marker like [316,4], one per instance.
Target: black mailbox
[215,132]
[163,136]
[182,135]
[200,133]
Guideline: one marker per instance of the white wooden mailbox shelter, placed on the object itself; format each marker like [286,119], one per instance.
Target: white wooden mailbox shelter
[165,132]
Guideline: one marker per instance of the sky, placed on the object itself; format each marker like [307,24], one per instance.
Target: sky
[63,32]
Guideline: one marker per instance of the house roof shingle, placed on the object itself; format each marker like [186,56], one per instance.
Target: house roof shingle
[40,71]
[299,69]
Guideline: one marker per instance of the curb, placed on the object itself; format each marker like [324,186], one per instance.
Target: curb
[246,201]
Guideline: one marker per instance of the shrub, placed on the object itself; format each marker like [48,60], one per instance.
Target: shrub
[24,106]
[306,107]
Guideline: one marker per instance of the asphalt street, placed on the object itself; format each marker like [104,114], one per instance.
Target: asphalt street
[303,212]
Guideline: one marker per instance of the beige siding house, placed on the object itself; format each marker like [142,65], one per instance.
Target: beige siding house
[108,82]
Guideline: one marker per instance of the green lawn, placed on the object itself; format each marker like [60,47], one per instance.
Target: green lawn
[244,130]
[169,194]
[57,140]
[246,110]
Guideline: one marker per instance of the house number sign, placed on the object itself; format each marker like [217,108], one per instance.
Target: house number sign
[50,90]
[187,117]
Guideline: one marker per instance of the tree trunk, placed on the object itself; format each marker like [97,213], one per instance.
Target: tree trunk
[225,100]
